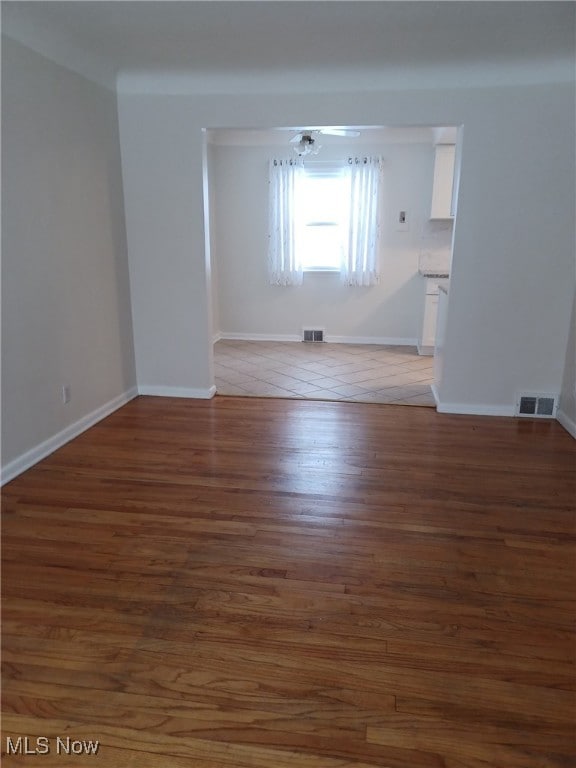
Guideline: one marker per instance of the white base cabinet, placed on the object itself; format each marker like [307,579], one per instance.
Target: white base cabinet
[440,334]
[428,334]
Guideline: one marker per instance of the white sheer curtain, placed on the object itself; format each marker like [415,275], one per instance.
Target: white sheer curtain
[360,263]
[284,267]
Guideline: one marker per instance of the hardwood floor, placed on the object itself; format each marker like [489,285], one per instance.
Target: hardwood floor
[293,584]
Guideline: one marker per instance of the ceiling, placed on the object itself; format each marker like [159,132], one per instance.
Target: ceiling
[295,42]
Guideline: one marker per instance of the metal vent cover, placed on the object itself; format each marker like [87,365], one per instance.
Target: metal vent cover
[313,334]
[536,406]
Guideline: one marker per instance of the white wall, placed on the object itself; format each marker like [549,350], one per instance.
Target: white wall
[512,272]
[513,269]
[214,276]
[65,294]
[162,166]
[250,305]
[567,403]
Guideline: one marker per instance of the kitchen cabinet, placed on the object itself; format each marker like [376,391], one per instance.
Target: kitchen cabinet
[440,335]
[428,334]
[443,183]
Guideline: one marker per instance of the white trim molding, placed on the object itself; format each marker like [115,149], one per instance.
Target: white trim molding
[389,341]
[381,340]
[471,409]
[189,392]
[475,409]
[260,337]
[34,455]
[568,423]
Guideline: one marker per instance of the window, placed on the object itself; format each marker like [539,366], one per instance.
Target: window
[324,217]
[322,214]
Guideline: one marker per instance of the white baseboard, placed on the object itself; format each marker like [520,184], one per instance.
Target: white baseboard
[425,350]
[473,409]
[189,392]
[381,340]
[39,452]
[216,337]
[260,337]
[568,423]
[476,409]
[389,341]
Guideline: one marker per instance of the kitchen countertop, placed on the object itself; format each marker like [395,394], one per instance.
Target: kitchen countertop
[433,273]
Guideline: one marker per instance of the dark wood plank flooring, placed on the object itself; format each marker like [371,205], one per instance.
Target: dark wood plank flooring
[289,584]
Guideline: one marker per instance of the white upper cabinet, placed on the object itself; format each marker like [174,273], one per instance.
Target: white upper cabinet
[442,198]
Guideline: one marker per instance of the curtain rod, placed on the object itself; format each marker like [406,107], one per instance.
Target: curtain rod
[346,161]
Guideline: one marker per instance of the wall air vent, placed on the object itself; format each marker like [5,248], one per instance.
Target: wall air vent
[313,334]
[536,406]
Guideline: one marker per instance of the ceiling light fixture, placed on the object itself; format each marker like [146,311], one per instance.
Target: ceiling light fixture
[307,146]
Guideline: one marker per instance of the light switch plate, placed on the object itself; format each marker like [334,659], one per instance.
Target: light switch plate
[402,221]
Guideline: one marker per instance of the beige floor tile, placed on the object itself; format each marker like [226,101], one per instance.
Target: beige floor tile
[392,393]
[232,389]
[304,388]
[235,377]
[268,390]
[340,370]
[314,375]
[359,376]
[350,390]
[420,400]
[278,367]
[303,375]
[316,367]
[373,397]
[327,383]
[417,376]
[279,379]
[354,372]
[324,394]
[379,383]
[422,361]
[414,390]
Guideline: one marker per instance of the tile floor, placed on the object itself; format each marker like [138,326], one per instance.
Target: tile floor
[362,373]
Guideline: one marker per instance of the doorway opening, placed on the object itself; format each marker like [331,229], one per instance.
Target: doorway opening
[377,338]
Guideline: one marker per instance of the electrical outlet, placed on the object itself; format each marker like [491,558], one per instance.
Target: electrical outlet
[66,394]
